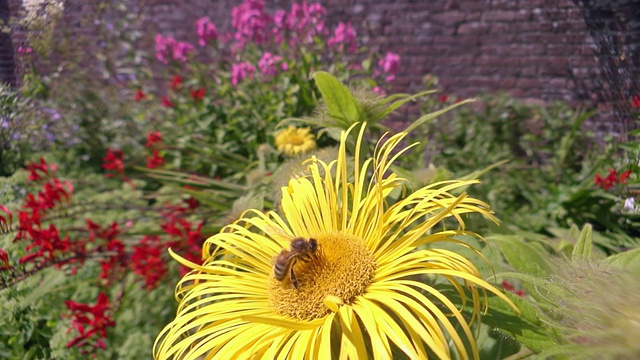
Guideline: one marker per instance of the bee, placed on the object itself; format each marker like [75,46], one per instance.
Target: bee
[301,250]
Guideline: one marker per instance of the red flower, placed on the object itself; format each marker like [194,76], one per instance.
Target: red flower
[611,179]
[510,288]
[39,171]
[166,102]
[139,95]
[146,261]
[90,322]
[153,137]
[624,176]
[176,82]
[4,260]
[636,102]
[4,224]
[443,98]
[155,160]
[198,95]
[114,160]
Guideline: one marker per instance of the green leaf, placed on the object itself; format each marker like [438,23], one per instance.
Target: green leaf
[402,99]
[340,102]
[582,250]
[628,260]
[51,280]
[430,116]
[523,256]
[526,327]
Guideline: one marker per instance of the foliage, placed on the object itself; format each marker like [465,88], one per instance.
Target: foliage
[92,220]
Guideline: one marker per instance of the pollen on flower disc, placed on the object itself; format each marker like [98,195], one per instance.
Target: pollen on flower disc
[344,269]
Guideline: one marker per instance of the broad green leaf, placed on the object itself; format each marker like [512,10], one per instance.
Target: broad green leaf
[340,102]
[528,328]
[582,250]
[523,256]
[628,260]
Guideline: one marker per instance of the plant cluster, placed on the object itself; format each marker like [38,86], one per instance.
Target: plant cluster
[218,153]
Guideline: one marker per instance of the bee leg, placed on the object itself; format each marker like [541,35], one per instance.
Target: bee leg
[294,280]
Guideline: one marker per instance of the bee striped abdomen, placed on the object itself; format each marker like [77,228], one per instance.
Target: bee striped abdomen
[284,262]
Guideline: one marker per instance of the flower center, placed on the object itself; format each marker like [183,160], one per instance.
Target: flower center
[296,139]
[343,269]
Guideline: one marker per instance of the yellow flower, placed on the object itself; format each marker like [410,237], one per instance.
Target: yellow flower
[293,141]
[362,294]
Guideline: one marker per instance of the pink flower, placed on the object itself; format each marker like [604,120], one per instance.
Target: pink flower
[250,21]
[303,21]
[181,49]
[389,65]
[163,45]
[168,46]
[24,50]
[267,64]
[206,30]
[240,71]
[379,91]
[344,37]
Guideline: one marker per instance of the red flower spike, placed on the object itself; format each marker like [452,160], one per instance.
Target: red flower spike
[198,95]
[139,95]
[155,160]
[443,98]
[38,171]
[624,176]
[4,260]
[114,160]
[90,322]
[147,262]
[5,222]
[153,137]
[176,82]
[636,102]
[166,102]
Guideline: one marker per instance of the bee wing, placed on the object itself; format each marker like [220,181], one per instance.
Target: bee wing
[278,234]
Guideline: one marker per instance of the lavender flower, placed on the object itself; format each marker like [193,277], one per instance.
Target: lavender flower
[267,64]
[241,71]
[344,37]
[206,30]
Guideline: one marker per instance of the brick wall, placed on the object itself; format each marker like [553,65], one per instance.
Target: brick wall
[580,51]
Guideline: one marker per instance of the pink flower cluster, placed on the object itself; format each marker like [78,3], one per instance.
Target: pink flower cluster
[168,47]
[303,22]
[251,22]
[241,71]
[344,37]
[389,66]
[268,64]
[206,31]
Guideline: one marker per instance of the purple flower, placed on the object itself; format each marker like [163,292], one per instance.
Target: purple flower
[250,21]
[379,91]
[240,71]
[163,45]
[168,46]
[344,37]
[267,64]
[389,65]
[181,49]
[206,30]
[302,22]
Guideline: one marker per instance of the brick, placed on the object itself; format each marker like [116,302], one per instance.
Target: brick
[473,28]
